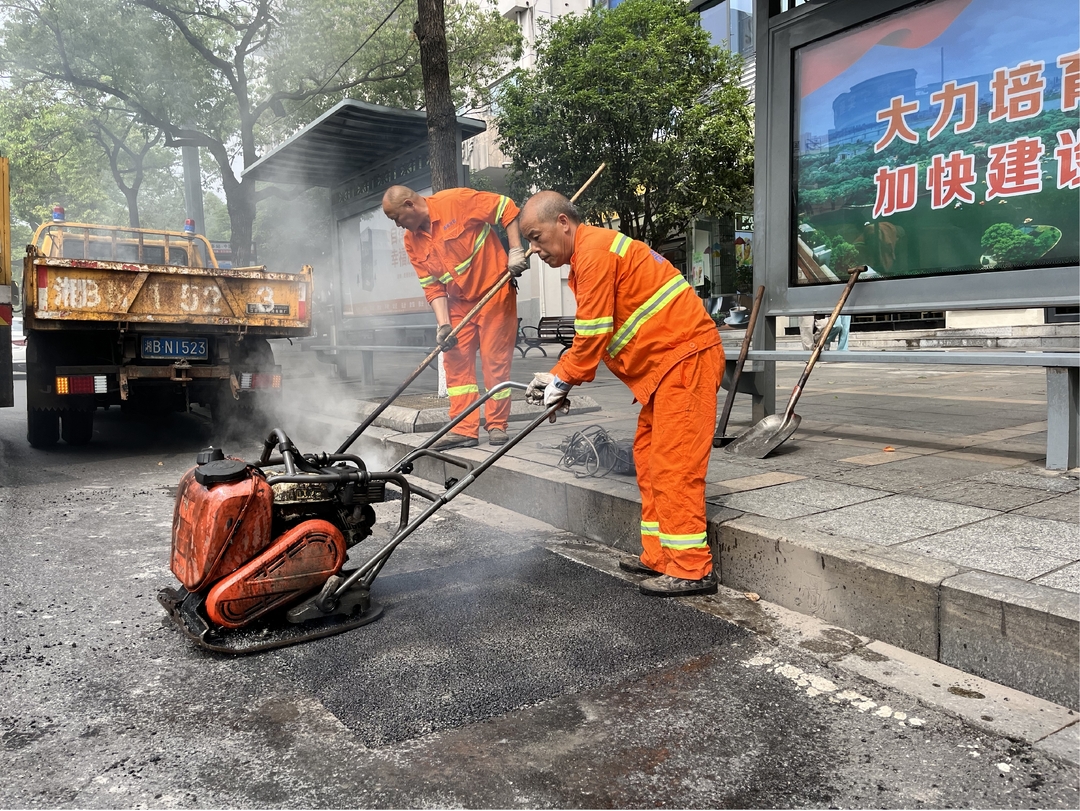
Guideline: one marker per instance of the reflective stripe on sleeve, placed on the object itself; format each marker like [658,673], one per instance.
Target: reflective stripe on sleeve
[650,528]
[457,391]
[695,541]
[427,281]
[657,301]
[503,203]
[594,326]
[620,245]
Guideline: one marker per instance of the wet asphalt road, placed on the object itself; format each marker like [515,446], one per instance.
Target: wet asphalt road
[501,675]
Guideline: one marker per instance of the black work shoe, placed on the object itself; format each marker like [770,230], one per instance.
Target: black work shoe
[452,440]
[667,586]
[635,566]
[497,436]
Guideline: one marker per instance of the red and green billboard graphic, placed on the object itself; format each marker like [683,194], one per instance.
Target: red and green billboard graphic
[942,138]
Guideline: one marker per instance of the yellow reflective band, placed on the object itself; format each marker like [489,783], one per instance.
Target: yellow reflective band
[620,245]
[658,301]
[427,281]
[501,395]
[446,278]
[457,391]
[594,326]
[464,266]
[650,527]
[503,203]
[695,541]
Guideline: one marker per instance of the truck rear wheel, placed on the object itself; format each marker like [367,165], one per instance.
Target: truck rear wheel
[42,427]
[77,427]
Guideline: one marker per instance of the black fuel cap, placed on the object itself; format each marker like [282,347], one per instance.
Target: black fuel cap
[210,454]
[221,472]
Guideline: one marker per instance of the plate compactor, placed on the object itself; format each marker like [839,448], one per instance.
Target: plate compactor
[260,548]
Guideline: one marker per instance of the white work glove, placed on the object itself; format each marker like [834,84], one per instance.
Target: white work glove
[555,391]
[518,264]
[443,339]
[534,394]
[546,389]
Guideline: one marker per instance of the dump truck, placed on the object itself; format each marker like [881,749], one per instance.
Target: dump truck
[146,320]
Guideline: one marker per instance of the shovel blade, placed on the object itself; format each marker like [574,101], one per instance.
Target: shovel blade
[765,437]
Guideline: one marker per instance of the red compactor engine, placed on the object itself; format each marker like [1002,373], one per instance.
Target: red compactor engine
[250,540]
[260,549]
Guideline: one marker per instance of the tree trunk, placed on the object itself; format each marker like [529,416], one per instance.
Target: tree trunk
[444,152]
[240,202]
[132,196]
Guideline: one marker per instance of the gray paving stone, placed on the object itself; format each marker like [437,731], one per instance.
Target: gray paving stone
[989,495]
[1059,508]
[917,476]
[799,498]
[1067,578]
[1012,545]
[1032,477]
[894,519]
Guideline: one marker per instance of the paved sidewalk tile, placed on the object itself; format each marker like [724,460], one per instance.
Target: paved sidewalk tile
[989,495]
[910,475]
[799,498]
[1012,545]
[895,519]
[1033,477]
[878,458]
[1066,578]
[758,481]
[1058,508]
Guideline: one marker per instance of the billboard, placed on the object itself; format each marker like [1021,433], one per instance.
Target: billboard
[939,139]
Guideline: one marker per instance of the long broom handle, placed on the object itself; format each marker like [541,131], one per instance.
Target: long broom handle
[721,426]
[435,352]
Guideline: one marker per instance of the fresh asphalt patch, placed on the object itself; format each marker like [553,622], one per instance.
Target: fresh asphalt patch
[463,643]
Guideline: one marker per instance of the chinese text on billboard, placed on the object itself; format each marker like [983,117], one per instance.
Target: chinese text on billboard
[940,139]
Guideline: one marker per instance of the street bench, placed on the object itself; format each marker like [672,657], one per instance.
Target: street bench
[1062,384]
[549,330]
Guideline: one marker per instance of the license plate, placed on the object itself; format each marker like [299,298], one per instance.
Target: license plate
[174,348]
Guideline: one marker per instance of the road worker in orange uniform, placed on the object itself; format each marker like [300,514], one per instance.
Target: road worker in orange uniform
[637,314]
[458,259]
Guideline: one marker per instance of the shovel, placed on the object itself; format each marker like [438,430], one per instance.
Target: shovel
[767,435]
[719,438]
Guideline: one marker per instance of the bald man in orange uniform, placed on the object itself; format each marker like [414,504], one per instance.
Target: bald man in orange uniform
[458,259]
[638,314]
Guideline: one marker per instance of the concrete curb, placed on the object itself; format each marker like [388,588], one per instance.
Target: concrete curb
[1002,629]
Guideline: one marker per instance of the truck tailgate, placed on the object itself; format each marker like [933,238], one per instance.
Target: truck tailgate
[82,290]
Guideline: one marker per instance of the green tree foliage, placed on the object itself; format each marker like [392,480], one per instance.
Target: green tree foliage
[640,88]
[233,78]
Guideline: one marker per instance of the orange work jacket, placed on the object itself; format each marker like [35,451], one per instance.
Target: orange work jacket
[461,257]
[635,312]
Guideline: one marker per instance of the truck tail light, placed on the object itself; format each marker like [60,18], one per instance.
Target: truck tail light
[259,380]
[82,384]
[301,305]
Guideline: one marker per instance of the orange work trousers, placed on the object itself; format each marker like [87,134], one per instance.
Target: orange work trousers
[492,332]
[671,454]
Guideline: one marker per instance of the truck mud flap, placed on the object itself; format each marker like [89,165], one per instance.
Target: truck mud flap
[188,613]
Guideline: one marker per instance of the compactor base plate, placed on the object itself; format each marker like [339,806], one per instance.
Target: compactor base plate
[186,611]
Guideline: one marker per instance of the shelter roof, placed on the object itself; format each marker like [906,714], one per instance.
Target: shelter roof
[350,138]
